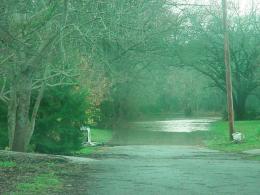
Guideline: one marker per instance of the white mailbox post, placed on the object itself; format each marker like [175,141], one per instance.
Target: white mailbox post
[238,137]
[87,131]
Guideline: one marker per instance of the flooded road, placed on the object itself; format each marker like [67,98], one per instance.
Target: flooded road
[175,125]
[162,158]
[164,132]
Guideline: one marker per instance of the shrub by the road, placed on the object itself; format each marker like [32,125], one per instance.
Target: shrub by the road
[58,125]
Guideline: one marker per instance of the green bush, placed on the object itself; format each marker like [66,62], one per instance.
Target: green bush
[57,129]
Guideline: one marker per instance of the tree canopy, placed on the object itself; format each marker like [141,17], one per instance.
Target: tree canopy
[130,58]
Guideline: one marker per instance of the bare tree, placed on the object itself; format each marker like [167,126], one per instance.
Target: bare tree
[47,44]
[29,38]
[201,48]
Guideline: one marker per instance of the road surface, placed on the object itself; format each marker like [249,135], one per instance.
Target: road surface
[162,170]
[153,159]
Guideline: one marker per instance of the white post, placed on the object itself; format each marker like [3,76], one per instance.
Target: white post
[86,130]
[89,135]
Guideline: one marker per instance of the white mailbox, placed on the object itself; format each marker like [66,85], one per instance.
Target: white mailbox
[237,136]
[88,132]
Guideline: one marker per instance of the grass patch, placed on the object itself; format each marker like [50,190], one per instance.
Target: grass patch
[7,164]
[87,150]
[100,136]
[218,137]
[40,184]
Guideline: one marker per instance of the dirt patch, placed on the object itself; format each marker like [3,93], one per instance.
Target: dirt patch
[70,171]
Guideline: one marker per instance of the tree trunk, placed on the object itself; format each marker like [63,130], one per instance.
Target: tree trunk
[12,106]
[22,120]
[34,113]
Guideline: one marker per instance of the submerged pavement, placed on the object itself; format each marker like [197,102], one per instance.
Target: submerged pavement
[175,125]
[162,170]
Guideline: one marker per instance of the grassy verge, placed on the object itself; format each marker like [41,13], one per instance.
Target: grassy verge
[100,136]
[7,164]
[217,137]
[22,174]
[27,174]
[39,184]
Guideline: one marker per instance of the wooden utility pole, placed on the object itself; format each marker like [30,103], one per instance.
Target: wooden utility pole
[230,108]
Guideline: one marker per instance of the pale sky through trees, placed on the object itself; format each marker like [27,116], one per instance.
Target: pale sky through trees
[244,5]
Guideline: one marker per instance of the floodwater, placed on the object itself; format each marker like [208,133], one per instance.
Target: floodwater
[164,132]
[176,125]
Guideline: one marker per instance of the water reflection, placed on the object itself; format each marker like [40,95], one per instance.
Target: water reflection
[175,125]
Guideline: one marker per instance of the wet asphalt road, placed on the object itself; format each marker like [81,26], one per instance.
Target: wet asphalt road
[162,170]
